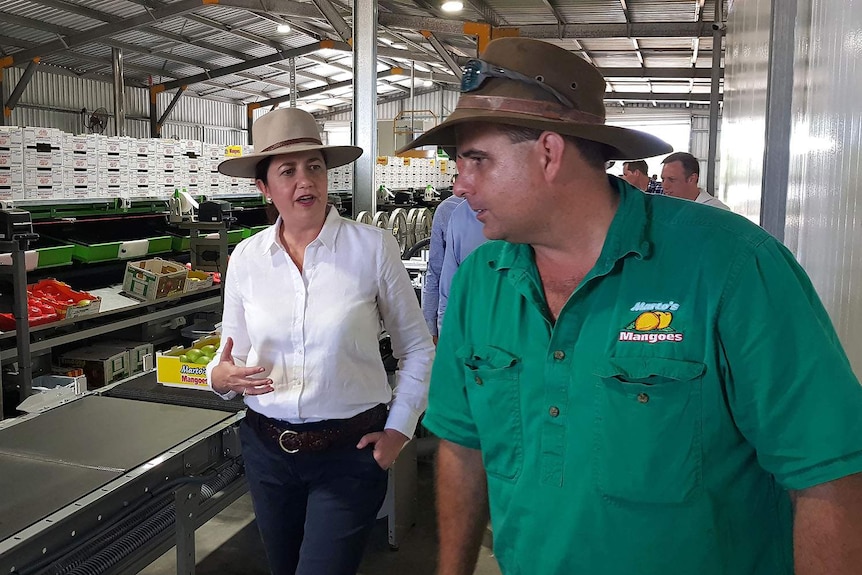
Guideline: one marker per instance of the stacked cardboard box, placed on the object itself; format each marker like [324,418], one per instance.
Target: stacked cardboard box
[113,167]
[80,166]
[11,164]
[143,175]
[43,163]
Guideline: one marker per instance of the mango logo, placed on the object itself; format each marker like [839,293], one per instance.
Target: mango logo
[653,320]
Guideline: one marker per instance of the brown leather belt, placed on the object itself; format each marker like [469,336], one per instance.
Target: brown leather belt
[320,435]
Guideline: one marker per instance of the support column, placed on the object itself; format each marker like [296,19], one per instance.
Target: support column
[154,110]
[3,122]
[119,92]
[249,111]
[717,34]
[779,100]
[365,104]
[293,82]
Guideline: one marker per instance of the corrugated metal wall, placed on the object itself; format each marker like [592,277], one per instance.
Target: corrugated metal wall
[743,125]
[824,214]
[699,148]
[55,101]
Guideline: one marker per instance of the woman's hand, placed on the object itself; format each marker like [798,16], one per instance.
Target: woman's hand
[226,376]
[387,445]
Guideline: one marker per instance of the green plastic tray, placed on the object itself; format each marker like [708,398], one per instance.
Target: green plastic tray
[91,253]
[247,232]
[181,243]
[52,252]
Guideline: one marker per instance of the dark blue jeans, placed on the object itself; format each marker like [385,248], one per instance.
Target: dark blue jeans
[314,510]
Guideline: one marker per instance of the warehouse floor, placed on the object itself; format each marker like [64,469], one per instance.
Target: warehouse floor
[229,544]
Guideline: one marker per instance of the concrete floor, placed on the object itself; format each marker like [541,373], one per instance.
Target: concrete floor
[229,544]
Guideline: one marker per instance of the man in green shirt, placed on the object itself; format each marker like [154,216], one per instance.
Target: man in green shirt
[631,384]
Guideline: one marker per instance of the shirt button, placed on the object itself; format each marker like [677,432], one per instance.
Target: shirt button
[554,411]
[478,380]
[643,398]
[559,355]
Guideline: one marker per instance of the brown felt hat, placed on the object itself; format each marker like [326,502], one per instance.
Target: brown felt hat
[520,103]
[285,131]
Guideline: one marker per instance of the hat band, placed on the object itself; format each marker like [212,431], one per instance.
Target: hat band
[547,110]
[285,143]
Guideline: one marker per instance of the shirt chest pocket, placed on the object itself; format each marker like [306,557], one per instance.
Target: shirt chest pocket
[648,437]
[493,391]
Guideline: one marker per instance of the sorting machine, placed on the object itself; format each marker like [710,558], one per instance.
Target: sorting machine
[109,481]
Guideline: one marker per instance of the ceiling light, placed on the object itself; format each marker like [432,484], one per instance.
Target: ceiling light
[398,46]
[283,28]
[427,83]
[452,6]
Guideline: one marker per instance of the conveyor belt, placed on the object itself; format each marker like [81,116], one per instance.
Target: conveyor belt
[51,460]
[147,388]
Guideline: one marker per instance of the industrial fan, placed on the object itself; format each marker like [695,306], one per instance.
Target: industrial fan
[95,121]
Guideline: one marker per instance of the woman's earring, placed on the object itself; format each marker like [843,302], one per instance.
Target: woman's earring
[268,200]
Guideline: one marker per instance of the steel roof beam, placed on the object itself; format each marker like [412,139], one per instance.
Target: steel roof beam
[561,21]
[441,51]
[15,96]
[99,32]
[488,13]
[331,14]
[241,67]
[313,91]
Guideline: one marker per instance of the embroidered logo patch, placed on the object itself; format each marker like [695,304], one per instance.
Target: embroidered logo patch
[653,324]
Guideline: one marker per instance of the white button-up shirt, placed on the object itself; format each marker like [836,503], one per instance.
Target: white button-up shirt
[316,333]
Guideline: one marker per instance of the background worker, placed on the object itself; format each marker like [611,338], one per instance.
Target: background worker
[637,174]
[680,174]
[436,251]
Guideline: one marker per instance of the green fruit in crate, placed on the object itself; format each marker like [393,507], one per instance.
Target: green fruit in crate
[209,349]
[184,358]
[203,360]
[193,354]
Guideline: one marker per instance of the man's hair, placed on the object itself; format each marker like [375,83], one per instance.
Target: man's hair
[637,166]
[595,154]
[689,163]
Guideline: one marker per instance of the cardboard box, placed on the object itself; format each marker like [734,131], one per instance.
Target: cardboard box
[11,137]
[34,159]
[198,280]
[46,136]
[173,372]
[140,354]
[154,279]
[102,365]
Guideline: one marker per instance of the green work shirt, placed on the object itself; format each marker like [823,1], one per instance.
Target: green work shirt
[691,379]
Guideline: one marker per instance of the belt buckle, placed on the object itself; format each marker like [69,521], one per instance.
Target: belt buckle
[287,432]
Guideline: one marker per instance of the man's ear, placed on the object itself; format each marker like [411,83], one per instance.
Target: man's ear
[551,148]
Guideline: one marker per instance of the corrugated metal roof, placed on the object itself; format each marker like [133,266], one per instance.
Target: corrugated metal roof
[120,9]
[48,15]
[591,11]
[606,53]
[662,10]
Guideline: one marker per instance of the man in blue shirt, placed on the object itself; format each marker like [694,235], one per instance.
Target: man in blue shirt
[463,235]
[436,250]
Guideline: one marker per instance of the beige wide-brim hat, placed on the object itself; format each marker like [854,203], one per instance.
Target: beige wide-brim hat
[517,103]
[286,131]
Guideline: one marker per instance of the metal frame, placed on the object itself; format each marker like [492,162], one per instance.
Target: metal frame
[779,100]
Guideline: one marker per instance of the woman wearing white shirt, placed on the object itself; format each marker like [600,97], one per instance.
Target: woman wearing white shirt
[304,301]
